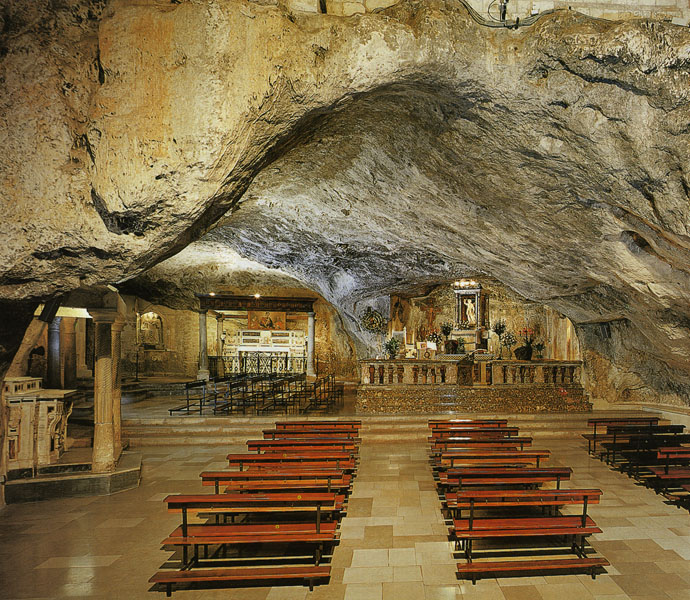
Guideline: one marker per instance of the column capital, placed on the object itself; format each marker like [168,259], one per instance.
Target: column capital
[104,315]
[118,323]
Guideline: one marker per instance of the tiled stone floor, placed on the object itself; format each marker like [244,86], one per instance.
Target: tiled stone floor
[393,542]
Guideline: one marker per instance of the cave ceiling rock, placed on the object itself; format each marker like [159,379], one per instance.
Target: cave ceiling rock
[426,143]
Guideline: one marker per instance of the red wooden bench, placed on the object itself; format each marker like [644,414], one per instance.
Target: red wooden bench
[479,432]
[470,442]
[502,476]
[595,422]
[341,460]
[295,444]
[328,483]
[309,574]
[318,424]
[287,434]
[470,529]
[448,460]
[467,423]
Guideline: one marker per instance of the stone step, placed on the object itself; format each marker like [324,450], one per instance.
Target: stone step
[224,430]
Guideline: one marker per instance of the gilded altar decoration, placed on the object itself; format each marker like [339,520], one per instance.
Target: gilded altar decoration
[373,321]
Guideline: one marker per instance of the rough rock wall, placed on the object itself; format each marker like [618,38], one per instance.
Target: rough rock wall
[385,152]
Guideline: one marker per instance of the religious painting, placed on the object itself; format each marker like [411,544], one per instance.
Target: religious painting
[265,319]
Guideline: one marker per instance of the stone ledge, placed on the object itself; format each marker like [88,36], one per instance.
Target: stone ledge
[126,476]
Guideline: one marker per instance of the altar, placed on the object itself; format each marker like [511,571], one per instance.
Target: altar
[468,385]
[450,349]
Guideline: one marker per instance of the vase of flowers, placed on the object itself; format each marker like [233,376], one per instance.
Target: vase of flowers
[499,328]
[509,340]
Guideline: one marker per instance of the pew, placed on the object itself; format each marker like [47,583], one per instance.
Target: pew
[574,528]
[467,423]
[343,445]
[479,432]
[467,442]
[488,477]
[309,574]
[320,424]
[326,460]
[448,460]
[606,421]
[286,434]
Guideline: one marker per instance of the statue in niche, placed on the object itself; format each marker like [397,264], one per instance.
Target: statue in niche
[151,331]
[470,312]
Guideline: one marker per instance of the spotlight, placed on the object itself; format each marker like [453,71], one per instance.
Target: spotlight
[257,296]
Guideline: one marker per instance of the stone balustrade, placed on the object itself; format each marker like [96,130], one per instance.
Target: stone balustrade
[536,372]
[415,372]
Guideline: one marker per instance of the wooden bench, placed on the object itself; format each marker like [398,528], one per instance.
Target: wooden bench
[265,502]
[317,484]
[282,434]
[606,421]
[470,442]
[448,460]
[342,445]
[472,500]
[341,460]
[218,478]
[502,476]
[244,534]
[574,527]
[479,432]
[321,424]
[474,570]
[633,437]
[467,423]
[309,574]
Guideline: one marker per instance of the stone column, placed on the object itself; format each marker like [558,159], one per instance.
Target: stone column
[117,386]
[310,344]
[69,351]
[203,372]
[219,334]
[54,376]
[103,456]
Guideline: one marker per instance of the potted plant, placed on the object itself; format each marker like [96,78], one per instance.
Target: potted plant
[539,349]
[391,347]
[525,352]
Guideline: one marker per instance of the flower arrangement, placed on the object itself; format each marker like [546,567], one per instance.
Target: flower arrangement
[499,328]
[527,333]
[446,328]
[391,347]
[465,325]
[509,340]
[435,337]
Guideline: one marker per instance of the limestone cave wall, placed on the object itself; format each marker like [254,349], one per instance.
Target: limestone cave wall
[356,157]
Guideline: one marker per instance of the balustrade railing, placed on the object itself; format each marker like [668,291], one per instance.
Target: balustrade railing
[530,373]
[485,373]
[257,363]
[408,372]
